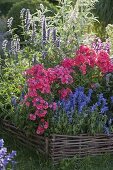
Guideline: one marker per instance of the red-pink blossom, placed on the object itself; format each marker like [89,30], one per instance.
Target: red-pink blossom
[40,130]
[27,104]
[67,62]
[41,113]
[40,103]
[64,93]
[103,61]
[43,125]
[32,116]
[83,69]
[53,106]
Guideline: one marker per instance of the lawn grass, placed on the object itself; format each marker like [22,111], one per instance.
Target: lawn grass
[28,159]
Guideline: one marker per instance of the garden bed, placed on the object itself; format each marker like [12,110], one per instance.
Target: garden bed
[58,147]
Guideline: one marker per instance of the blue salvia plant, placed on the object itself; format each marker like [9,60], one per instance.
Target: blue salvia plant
[82,114]
[5,157]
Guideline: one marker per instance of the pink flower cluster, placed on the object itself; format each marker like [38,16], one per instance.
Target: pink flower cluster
[64,93]
[40,81]
[104,62]
[88,57]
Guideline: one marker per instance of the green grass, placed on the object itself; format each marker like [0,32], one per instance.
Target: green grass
[28,159]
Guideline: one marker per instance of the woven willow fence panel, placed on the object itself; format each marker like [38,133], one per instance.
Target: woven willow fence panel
[64,146]
[58,147]
[40,143]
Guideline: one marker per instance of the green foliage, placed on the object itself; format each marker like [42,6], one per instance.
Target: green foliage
[10,80]
[5,1]
[87,163]
[106,86]
[85,122]
[3,24]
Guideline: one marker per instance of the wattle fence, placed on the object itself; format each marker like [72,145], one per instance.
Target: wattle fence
[57,147]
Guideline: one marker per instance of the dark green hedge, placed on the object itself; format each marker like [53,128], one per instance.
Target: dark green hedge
[104,11]
[5,7]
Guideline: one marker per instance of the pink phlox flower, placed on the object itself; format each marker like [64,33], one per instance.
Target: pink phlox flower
[68,63]
[53,106]
[27,104]
[32,92]
[43,125]
[41,113]
[83,69]
[64,93]
[32,116]
[40,103]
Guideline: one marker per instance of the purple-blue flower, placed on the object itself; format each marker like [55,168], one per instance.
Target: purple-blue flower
[13,101]
[94,107]
[104,109]
[44,30]
[77,100]
[54,35]
[1,143]
[5,158]
[111,99]
[81,102]
[106,130]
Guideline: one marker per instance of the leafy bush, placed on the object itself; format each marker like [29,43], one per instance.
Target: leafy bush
[11,80]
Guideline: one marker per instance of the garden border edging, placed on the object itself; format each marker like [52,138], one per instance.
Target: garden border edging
[58,147]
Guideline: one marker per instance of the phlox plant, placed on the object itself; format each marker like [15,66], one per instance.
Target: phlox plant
[5,157]
[45,86]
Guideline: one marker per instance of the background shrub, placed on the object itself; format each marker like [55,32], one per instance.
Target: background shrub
[104,12]
[5,6]
[53,1]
